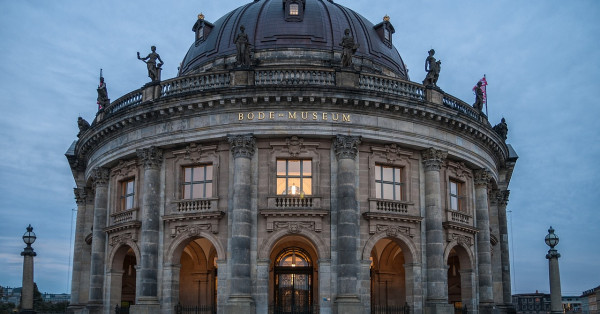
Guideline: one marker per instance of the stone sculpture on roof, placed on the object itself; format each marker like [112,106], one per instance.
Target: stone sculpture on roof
[502,129]
[350,48]
[478,97]
[432,67]
[243,48]
[102,99]
[153,68]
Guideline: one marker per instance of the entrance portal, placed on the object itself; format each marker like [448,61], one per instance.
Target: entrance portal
[198,277]
[388,278]
[293,282]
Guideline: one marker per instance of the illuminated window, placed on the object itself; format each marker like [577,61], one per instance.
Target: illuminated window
[456,195]
[127,194]
[294,9]
[197,182]
[294,177]
[388,183]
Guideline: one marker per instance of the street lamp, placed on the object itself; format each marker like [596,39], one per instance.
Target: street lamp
[28,254]
[552,256]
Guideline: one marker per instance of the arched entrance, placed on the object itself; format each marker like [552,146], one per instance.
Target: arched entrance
[454,282]
[128,281]
[122,277]
[293,276]
[198,277]
[460,279]
[388,277]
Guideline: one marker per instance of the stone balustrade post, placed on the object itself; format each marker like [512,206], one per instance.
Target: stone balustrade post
[147,300]
[484,256]
[348,225]
[240,298]
[96,292]
[437,269]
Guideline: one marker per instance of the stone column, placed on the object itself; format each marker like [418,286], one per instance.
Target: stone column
[348,225]
[27,284]
[170,286]
[437,269]
[496,253]
[147,300]
[240,298]
[262,286]
[505,260]
[78,250]
[484,256]
[554,274]
[96,293]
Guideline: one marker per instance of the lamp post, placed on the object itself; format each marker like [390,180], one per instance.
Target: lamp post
[552,256]
[28,254]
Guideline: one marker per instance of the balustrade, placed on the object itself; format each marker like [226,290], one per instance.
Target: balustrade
[195,205]
[284,202]
[392,86]
[294,77]
[459,217]
[391,206]
[127,101]
[124,216]
[460,106]
[195,83]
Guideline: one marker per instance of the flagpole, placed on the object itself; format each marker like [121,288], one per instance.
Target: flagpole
[486,97]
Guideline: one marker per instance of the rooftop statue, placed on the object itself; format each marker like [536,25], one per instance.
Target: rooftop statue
[243,48]
[432,67]
[83,125]
[502,129]
[350,48]
[153,68]
[102,99]
[478,97]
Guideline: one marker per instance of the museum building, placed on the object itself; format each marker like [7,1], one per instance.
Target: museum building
[291,167]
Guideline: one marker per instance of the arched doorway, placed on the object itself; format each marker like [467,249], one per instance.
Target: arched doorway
[454,282]
[460,278]
[129,279]
[388,277]
[198,278]
[122,277]
[294,277]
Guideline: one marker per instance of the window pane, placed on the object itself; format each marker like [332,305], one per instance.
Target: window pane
[307,167]
[453,203]
[388,191]
[397,177]
[378,190]
[198,190]
[293,9]
[387,174]
[378,173]
[293,187]
[209,172]
[398,192]
[453,188]
[198,174]
[187,191]
[130,187]
[129,203]
[294,168]
[281,167]
[209,192]
[187,176]
[281,186]
[307,186]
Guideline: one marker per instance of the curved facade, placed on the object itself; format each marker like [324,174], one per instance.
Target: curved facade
[291,186]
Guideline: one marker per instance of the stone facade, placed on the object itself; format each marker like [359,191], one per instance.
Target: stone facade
[268,188]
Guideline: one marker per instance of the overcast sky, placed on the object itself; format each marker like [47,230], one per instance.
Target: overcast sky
[541,58]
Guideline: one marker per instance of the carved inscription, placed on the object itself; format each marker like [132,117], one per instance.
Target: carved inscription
[295,116]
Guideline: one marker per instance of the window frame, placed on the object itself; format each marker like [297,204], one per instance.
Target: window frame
[382,182]
[123,172]
[301,177]
[183,183]
[124,196]
[460,195]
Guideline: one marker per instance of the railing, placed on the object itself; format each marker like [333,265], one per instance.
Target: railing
[195,83]
[390,309]
[293,202]
[392,86]
[195,205]
[294,309]
[124,216]
[127,101]
[391,206]
[121,309]
[198,309]
[294,77]
[460,106]
[456,216]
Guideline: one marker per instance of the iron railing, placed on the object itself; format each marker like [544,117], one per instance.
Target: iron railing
[195,309]
[294,309]
[390,309]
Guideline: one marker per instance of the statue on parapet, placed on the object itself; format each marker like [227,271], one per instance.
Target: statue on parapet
[432,67]
[478,96]
[502,129]
[102,99]
[349,48]
[83,125]
[242,43]
[153,68]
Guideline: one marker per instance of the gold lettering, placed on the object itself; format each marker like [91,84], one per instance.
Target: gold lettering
[314,116]
[271,115]
[345,117]
[292,115]
[335,116]
[324,116]
[240,116]
[304,115]
[261,116]
[250,115]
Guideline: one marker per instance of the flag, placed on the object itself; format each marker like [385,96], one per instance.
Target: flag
[483,88]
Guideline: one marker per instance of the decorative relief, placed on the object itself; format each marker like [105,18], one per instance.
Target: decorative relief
[294,226]
[393,231]
[433,159]
[76,164]
[151,157]
[393,153]
[242,145]
[125,169]
[346,147]
[294,145]
[190,230]
[460,170]
[461,239]
[122,238]
[80,195]
[482,177]
[100,176]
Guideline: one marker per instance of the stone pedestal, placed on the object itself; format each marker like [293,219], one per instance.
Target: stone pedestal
[346,78]
[434,95]
[438,308]
[27,290]
[555,293]
[348,304]
[243,304]
[145,305]
[242,78]
[151,91]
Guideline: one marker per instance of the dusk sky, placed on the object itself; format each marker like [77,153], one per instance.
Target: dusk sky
[541,59]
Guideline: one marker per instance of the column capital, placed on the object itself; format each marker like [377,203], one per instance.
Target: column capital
[151,157]
[433,158]
[503,199]
[346,147]
[481,177]
[242,145]
[80,195]
[100,176]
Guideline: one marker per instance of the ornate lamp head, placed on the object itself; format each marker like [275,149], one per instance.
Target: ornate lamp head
[551,238]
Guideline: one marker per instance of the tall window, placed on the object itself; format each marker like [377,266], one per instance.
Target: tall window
[294,9]
[294,177]
[197,182]
[456,195]
[127,194]
[388,183]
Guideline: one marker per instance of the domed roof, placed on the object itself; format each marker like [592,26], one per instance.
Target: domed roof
[313,38]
